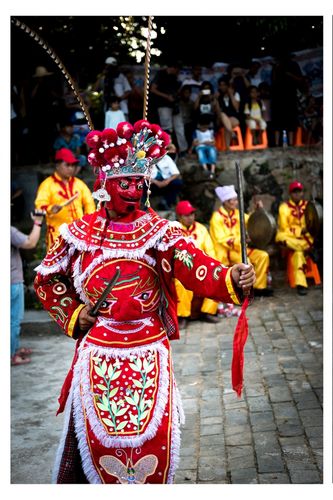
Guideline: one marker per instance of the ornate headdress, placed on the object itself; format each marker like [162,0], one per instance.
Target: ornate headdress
[130,150]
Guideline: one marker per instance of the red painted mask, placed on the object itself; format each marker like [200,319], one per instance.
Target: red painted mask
[135,295]
[126,194]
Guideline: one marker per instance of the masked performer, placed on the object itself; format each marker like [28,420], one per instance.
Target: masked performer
[122,406]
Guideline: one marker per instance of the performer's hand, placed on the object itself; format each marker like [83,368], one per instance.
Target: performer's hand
[244,276]
[85,320]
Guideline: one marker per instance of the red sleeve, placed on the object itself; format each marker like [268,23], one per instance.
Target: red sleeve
[198,272]
[205,276]
[54,287]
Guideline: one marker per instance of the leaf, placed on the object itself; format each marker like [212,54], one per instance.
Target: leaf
[134,367]
[137,383]
[105,400]
[145,365]
[121,412]
[149,383]
[142,404]
[102,407]
[133,419]
[113,392]
[143,415]
[99,371]
[136,397]
[150,367]
[107,421]
[104,367]
[121,425]
[116,375]
[110,370]
[130,400]
[102,387]
[114,407]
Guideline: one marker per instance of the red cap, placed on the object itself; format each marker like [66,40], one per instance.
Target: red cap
[184,208]
[66,155]
[295,185]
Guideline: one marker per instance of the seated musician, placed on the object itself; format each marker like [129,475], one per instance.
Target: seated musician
[293,234]
[225,233]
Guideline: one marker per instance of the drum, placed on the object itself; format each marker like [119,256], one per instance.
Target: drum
[313,217]
[261,228]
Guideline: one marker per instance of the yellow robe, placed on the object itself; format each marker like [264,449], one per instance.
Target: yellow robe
[225,232]
[203,241]
[291,222]
[53,191]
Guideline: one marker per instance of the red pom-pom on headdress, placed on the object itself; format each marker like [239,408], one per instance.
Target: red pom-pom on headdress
[93,138]
[125,130]
[139,125]
[165,138]
[109,136]
[156,130]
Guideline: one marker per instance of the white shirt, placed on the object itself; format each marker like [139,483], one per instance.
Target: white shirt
[121,85]
[203,136]
[112,118]
[166,167]
[226,98]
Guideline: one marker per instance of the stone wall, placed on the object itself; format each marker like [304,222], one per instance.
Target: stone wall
[266,175]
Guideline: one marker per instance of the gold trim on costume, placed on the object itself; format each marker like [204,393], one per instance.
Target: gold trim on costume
[230,287]
[73,319]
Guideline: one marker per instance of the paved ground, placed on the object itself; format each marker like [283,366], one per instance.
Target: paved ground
[273,434]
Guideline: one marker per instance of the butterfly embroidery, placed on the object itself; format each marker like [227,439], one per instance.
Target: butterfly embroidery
[130,473]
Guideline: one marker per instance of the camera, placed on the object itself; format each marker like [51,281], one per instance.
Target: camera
[205,92]
[39,213]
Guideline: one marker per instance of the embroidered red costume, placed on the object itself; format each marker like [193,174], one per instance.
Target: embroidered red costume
[121,396]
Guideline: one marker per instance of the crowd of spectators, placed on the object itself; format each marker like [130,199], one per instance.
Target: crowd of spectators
[46,115]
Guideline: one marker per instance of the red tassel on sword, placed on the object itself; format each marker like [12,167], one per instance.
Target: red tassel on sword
[242,329]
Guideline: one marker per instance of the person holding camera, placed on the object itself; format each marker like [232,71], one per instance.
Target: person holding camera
[18,240]
[165,88]
[229,102]
[207,107]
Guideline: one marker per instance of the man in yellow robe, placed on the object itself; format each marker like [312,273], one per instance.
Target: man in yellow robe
[293,234]
[64,197]
[225,232]
[188,305]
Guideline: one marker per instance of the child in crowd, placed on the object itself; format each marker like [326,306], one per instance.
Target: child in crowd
[253,114]
[114,114]
[69,140]
[204,144]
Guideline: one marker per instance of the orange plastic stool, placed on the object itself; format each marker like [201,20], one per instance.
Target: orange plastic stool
[220,140]
[299,137]
[249,140]
[311,272]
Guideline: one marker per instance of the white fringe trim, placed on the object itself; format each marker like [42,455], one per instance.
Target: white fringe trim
[62,265]
[80,429]
[175,439]
[81,376]
[162,246]
[135,253]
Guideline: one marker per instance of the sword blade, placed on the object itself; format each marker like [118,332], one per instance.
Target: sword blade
[105,293]
[241,213]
